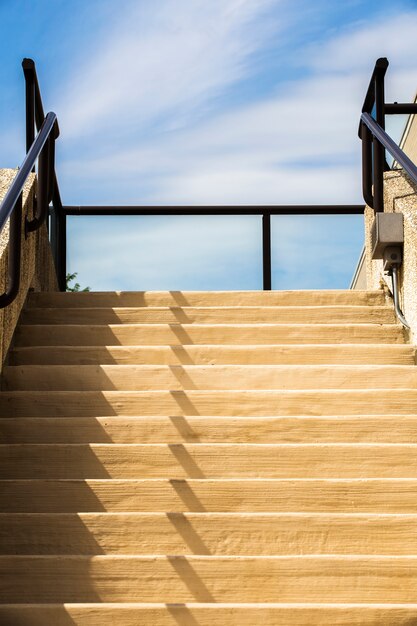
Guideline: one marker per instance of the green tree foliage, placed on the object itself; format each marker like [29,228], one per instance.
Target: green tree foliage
[75,286]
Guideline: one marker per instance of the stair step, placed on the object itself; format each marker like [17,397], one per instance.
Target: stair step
[211,315]
[347,354]
[208,579]
[275,459]
[393,495]
[200,460]
[208,429]
[206,377]
[216,334]
[208,614]
[241,534]
[207,298]
[217,403]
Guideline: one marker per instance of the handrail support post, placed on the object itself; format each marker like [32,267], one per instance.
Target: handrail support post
[59,245]
[266,251]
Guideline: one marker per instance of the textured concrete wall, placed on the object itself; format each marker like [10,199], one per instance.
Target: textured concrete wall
[400,196]
[37,267]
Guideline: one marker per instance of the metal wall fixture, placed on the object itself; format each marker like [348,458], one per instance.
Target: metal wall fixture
[387,241]
[387,234]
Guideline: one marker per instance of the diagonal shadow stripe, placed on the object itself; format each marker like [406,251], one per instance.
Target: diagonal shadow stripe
[184,528]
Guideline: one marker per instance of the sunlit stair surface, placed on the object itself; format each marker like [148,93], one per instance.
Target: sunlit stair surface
[209,459]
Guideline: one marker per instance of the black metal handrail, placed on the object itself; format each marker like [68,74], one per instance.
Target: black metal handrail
[227,209]
[265,211]
[11,206]
[34,119]
[375,94]
[389,144]
[16,188]
[374,138]
[373,190]
[34,106]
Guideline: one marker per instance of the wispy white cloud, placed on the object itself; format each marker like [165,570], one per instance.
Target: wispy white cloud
[171,253]
[163,62]
[257,153]
[355,49]
[253,152]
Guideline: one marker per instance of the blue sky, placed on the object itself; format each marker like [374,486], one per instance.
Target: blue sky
[198,102]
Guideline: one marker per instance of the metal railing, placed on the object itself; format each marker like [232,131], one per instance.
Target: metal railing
[41,150]
[376,135]
[35,117]
[375,140]
[59,213]
[265,211]
[374,143]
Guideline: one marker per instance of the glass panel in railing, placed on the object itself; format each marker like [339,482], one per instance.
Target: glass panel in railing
[395,126]
[158,253]
[315,251]
[213,252]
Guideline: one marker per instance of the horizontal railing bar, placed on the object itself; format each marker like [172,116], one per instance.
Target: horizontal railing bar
[391,146]
[313,209]
[405,108]
[16,188]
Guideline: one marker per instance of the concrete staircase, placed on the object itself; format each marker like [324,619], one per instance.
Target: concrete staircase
[196,459]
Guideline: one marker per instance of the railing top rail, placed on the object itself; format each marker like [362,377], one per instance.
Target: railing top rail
[16,188]
[319,209]
[390,145]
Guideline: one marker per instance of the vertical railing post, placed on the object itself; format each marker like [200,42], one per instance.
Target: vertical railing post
[266,251]
[44,183]
[30,112]
[30,105]
[366,138]
[378,149]
[59,245]
[62,252]
[378,175]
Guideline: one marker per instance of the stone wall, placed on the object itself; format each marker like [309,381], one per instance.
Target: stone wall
[400,196]
[37,267]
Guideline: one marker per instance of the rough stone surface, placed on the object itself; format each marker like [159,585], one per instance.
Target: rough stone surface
[400,196]
[37,267]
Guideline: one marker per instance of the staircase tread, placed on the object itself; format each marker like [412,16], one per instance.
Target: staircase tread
[251,325]
[195,367]
[215,606]
[385,495]
[236,307]
[215,402]
[202,377]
